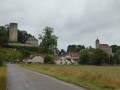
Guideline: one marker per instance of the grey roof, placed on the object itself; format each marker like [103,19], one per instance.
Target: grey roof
[32,39]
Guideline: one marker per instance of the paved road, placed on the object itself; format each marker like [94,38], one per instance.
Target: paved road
[19,78]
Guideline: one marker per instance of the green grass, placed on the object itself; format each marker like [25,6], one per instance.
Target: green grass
[3,78]
[91,77]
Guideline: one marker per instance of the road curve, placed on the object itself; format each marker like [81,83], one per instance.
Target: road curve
[19,78]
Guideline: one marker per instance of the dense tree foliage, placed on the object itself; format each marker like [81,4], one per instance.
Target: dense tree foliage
[75,48]
[115,48]
[84,56]
[48,59]
[23,36]
[3,35]
[100,57]
[116,59]
[49,41]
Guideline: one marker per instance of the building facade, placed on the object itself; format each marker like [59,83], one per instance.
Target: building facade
[35,59]
[32,41]
[104,47]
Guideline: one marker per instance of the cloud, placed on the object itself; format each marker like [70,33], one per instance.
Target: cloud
[74,21]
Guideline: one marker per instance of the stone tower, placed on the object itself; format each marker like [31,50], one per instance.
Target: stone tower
[97,43]
[13,32]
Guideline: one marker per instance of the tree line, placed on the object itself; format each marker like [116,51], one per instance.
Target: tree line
[98,57]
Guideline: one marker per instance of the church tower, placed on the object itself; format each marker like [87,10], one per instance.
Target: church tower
[13,32]
[97,43]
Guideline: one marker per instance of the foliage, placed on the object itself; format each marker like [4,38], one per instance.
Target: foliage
[75,48]
[3,35]
[84,57]
[115,48]
[32,50]
[100,57]
[1,62]
[116,59]
[49,41]
[48,59]
[112,61]
[9,54]
[23,36]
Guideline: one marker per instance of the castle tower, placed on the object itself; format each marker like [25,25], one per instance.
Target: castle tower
[13,32]
[97,43]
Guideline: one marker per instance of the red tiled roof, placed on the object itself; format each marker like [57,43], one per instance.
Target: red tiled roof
[74,54]
[104,46]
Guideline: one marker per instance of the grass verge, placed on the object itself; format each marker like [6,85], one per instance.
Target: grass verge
[91,77]
[3,78]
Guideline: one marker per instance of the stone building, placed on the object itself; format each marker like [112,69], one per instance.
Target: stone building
[32,41]
[104,47]
[13,32]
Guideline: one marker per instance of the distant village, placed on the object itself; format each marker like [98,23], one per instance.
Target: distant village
[63,59]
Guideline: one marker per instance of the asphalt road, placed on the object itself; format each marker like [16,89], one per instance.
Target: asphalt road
[19,78]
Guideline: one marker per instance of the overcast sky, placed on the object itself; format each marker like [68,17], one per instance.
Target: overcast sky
[74,21]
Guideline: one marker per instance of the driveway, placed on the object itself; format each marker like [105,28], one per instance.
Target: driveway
[19,78]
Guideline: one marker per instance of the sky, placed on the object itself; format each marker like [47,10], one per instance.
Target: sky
[78,22]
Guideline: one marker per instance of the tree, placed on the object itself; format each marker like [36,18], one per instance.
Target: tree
[116,58]
[115,48]
[112,62]
[75,48]
[48,59]
[3,36]
[100,56]
[1,59]
[23,36]
[49,41]
[84,57]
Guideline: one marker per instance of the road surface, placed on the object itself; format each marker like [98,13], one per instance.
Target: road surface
[19,78]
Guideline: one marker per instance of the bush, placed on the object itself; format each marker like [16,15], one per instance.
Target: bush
[48,59]
[1,62]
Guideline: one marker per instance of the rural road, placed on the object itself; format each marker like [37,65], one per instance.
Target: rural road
[19,78]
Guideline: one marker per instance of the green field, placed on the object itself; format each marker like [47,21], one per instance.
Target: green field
[91,77]
[3,78]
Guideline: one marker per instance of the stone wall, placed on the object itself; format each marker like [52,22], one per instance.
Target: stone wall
[20,44]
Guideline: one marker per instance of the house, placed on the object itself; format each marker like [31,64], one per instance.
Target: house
[35,59]
[104,47]
[61,60]
[71,58]
[74,57]
[32,41]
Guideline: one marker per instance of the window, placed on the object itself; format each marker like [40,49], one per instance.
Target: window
[60,62]
[65,63]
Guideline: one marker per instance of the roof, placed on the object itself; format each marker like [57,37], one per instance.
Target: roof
[56,57]
[74,54]
[104,46]
[32,39]
[32,56]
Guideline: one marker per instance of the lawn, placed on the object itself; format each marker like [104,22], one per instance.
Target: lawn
[91,77]
[3,78]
